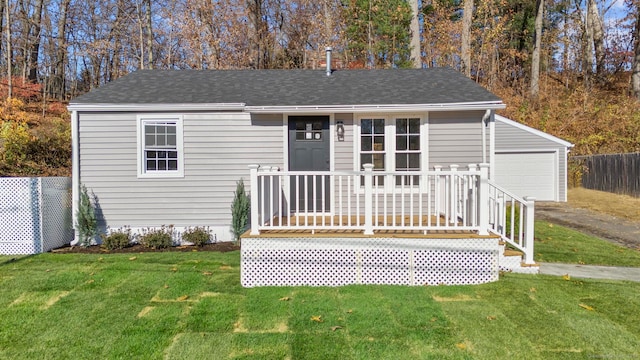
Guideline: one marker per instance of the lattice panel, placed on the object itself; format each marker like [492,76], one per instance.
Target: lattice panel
[335,262]
[386,266]
[455,267]
[298,267]
[57,229]
[31,215]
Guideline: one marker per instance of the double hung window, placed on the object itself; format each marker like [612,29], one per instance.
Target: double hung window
[160,153]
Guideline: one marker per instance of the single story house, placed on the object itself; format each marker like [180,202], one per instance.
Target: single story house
[355,176]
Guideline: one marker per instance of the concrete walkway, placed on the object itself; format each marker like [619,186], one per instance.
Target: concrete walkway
[591,271]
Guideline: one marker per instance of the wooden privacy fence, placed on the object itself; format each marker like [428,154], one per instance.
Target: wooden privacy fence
[616,173]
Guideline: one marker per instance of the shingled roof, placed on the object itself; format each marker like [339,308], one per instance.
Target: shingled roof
[257,88]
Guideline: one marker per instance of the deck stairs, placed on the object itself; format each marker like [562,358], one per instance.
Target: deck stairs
[511,261]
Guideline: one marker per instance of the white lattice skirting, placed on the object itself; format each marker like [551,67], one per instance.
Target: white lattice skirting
[35,214]
[343,261]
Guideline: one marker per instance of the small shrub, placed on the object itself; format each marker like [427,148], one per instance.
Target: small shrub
[239,211]
[198,235]
[157,238]
[117,239]
[86,223]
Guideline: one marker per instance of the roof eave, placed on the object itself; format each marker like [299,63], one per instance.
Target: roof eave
[96,107]
[381,108]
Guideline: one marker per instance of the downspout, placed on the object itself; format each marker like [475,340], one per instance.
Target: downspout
[492,145]
[75,171]
[485,117]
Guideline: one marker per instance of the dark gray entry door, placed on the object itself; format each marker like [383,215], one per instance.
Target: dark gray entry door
[309,151]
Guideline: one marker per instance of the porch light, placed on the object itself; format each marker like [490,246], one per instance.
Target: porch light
[340,130]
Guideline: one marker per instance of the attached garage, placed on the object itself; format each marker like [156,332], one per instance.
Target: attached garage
[530,162]
[529,174]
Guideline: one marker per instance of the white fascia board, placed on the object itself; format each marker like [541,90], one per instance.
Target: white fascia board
[493,105]
[158,107]
[534,131]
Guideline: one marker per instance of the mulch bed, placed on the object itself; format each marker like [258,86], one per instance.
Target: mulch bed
[137,248]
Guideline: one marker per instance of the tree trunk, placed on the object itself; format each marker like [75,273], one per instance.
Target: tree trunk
[467,17]
[596,29]
[35,44]
[9,57]
[635,76]
[58,81]
[149,34]
[535,58]
[416,53]
[587,54]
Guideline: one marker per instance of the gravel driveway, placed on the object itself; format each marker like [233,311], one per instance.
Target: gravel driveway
[617,230]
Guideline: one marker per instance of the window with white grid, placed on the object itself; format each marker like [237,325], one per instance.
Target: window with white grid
[160,147]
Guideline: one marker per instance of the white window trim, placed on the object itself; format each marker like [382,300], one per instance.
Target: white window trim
[144,118]
[390,142]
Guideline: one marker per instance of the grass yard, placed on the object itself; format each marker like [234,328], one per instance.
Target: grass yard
[554,243]
[191,306]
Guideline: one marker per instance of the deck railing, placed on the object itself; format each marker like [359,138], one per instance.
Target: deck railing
[512,217]
[369,200]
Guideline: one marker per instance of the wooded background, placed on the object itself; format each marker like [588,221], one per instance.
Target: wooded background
[568,67]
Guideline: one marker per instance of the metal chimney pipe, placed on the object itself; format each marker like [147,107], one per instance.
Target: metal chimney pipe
[328,51]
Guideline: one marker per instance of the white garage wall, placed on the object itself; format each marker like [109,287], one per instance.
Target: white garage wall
[525,144]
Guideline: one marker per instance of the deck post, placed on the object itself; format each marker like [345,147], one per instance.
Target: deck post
[453,195]
[255,219]
[483,200]
[368,199]
[529,229]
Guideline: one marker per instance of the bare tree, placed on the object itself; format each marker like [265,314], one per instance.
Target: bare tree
[596,32]
[9,54]
[35,31]
[635,75]
[58,81]
[467,17]
[416,53]
[535,58]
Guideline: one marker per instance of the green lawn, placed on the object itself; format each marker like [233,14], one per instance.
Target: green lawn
[555,243]
[191,306]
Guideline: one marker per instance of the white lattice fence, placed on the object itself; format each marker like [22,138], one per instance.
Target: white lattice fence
[35,214]
[343,261]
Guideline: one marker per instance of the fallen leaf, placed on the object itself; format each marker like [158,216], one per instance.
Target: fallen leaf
[532,289]
[461,346]
[183,298]
[580,262]
[586,307]
[566,277]
[174,269]
[225,267]
[349,311]
[317,318]
[334,328]
[286,298]
[207,273]
[550,225]
[90,281]
[132,258]
[166,286]
[491,317]
[100,259]
[434,319]
[48,270]
[91,274]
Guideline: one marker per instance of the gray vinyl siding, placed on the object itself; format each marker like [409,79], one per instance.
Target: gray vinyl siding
[455,138]
[511,138]
[218,147]
[344,149]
